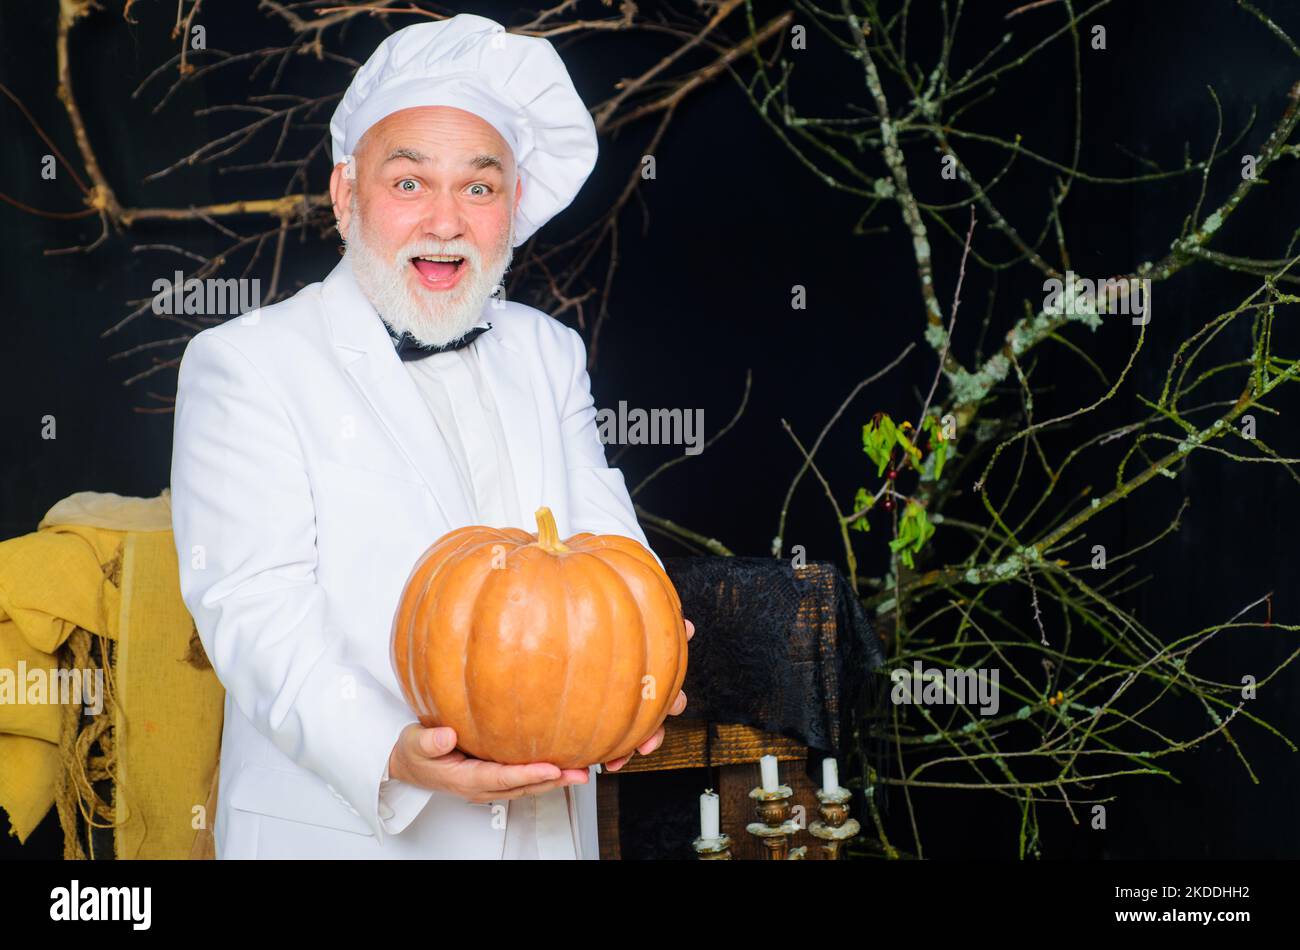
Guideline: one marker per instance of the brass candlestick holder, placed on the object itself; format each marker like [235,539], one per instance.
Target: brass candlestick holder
[775,826]
[713,849]
[835,826]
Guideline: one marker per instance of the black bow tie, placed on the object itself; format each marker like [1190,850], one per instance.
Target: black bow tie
[409,348]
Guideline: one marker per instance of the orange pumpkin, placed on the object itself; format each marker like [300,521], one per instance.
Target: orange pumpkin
[537,650]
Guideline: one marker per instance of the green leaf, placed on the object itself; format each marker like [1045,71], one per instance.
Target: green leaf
[863,499]
[908,447]
[938,444]
[878,438]
[914,529]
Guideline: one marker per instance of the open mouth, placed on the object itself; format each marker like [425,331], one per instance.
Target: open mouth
[438,269]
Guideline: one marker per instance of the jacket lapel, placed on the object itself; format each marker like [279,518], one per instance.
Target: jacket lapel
[506,372]
[366,352]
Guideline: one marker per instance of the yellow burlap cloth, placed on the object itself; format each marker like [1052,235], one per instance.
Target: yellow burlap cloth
[95,587]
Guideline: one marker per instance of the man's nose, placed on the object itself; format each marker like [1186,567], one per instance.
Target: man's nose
[442,219]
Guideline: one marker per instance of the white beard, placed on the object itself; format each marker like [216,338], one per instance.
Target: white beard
[433,317]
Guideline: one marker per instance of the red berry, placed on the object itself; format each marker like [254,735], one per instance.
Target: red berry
[892,474]
[889,504]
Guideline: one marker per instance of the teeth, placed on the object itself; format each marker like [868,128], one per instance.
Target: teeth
[439,257]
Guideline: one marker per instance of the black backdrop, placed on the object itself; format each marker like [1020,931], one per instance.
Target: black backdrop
[734,222]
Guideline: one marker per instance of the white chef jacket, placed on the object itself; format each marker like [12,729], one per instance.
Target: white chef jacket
[461,406]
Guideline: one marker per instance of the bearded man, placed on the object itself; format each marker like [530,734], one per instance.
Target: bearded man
[323,443]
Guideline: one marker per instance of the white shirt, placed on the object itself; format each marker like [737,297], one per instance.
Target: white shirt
[462,407]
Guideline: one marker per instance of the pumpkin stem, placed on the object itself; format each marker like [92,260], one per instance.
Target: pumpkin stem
[548,536]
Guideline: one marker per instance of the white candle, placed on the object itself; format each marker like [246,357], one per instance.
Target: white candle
[709,814]
[770,778]
[830,775]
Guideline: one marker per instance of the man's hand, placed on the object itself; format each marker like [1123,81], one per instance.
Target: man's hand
[645,748]
[429,758]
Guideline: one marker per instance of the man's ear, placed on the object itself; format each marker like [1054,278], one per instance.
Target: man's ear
[341,195]
[519,191]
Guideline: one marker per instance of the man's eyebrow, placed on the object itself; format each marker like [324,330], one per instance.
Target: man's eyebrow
[408,153]
[487,161]
[478,161]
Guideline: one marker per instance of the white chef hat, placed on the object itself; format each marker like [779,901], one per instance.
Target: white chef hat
[517,84]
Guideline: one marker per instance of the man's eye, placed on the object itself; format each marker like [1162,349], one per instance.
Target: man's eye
[485,189]
[408,184]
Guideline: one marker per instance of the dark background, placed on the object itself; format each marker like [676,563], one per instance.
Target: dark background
[734,222]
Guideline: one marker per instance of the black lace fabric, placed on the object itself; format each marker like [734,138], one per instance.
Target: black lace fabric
[783,649]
